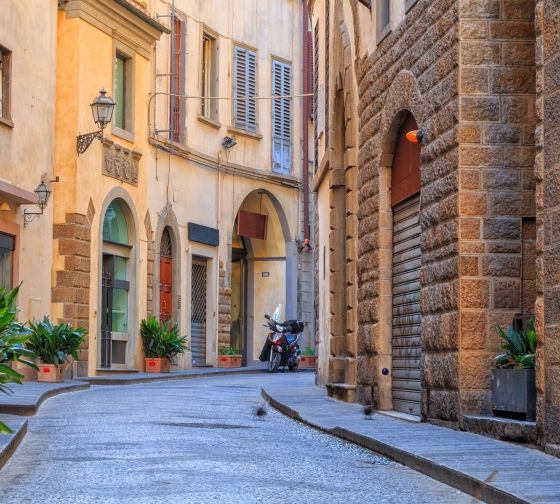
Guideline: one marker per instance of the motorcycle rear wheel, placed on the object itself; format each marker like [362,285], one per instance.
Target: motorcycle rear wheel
[274,362]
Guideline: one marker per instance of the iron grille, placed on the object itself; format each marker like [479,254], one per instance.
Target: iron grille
[198,303]
[166,246]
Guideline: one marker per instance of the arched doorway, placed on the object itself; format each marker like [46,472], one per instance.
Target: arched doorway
[166,275]
[263,271]
[117,287]
[406,263]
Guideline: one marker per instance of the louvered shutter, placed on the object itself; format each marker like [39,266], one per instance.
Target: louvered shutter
[281,117]
[245,86]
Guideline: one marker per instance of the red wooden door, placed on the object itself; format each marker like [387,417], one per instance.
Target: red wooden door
[165,288]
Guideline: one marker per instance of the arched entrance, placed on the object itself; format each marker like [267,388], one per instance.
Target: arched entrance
[117,287]
[262,271]
[166,275]
[406,263]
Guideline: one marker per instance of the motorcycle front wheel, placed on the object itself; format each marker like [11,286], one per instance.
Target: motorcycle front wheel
[274,362]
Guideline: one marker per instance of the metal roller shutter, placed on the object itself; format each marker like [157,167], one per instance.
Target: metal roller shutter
[406,341]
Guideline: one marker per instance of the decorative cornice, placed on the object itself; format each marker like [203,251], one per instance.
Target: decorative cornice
[119,19]
[225,167]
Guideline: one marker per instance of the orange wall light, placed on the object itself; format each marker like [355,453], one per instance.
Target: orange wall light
[415,136]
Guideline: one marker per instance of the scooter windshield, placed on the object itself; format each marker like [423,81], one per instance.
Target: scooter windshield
[278,314]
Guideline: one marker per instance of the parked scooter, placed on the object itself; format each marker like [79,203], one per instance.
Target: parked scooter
[281,347]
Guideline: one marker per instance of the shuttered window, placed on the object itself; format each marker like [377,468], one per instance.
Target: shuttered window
[281,117]
[177,84]
[245,89]
[5,83]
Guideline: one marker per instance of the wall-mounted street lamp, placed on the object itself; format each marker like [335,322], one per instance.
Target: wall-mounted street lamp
[43,192]
[228,142]
[102,109]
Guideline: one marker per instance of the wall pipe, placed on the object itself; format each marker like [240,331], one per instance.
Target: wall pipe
[305,120]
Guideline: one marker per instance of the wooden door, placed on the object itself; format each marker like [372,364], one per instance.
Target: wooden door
[165,288]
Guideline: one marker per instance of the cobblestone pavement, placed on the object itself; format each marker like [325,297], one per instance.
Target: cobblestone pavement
[196,441]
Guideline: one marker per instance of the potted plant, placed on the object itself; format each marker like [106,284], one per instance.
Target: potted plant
[53,344]
[308,358]
[13,336]
[229,357]
[513,378]
[162,343]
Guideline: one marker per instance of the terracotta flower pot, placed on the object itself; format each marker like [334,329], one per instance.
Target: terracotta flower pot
[307,361]
[161,365]
[229,361]
[51,373]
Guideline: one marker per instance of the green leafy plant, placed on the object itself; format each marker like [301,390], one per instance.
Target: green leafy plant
[13,337]
[309,352]
[161,340]
[53,343]
[228,350]
[519,348]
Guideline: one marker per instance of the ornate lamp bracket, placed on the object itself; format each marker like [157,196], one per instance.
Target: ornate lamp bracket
[84,141]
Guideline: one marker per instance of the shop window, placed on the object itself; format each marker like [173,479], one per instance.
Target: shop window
[7,247]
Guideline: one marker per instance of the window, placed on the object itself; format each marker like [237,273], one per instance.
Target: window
[383,19]
[123,93]
[5,84]
[209,77]
[245,88]
[7,247]
[281,117]
[177,87]
[115,225]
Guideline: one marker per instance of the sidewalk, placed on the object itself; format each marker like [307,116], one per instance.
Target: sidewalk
[490,470]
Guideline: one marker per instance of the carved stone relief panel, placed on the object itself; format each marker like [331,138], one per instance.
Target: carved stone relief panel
[120,163]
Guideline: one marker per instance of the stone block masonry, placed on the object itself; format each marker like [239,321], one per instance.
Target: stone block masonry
[70,292]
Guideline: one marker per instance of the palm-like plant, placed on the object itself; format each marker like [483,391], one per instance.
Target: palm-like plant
[53,343]
[13,337]
[161,340]
[519,348]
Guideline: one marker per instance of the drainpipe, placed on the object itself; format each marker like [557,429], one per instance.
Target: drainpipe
[305,121]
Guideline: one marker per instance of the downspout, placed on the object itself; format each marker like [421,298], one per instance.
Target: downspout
[305,122]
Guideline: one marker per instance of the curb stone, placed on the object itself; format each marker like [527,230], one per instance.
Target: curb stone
[12,441]
[476,488]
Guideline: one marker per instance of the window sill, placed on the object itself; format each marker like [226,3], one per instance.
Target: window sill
[6,122]
[125,135]
[209,122]
[245,133]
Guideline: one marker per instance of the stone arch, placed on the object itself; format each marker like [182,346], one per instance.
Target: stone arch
[167,219]
[127,203]
[337,339]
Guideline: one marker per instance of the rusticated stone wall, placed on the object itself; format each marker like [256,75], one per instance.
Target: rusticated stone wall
[496,182]
[416,69]
[465,69]
[547,169]
[70,292]
[224,305]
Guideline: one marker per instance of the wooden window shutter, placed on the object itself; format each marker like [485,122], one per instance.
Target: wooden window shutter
[245,86]
[281,117]
[177,103]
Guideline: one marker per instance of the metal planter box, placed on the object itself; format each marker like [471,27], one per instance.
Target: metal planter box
[514,393]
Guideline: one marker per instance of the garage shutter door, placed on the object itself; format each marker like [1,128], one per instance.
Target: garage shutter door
[406,306]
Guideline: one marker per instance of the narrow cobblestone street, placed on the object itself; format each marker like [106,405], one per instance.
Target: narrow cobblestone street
[197,441]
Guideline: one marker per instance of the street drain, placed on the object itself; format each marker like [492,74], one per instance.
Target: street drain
[192,425]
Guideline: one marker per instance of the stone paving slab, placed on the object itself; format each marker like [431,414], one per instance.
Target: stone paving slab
[133,378]
[27,398]
[490,470]
[9,443]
